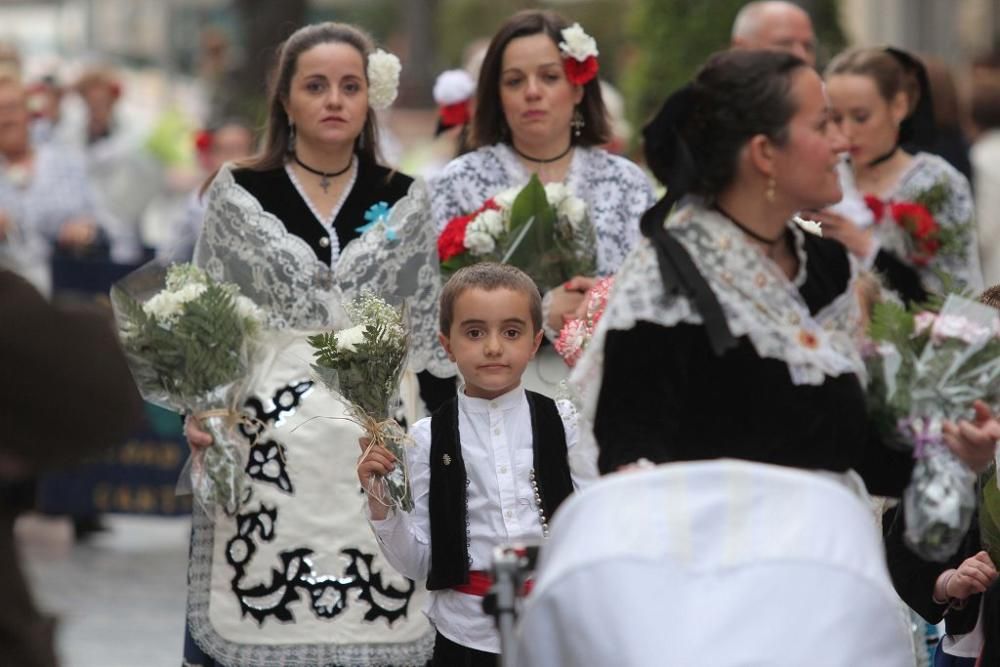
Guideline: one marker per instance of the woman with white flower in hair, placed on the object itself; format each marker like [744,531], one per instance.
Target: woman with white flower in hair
[297,578]
[539,111]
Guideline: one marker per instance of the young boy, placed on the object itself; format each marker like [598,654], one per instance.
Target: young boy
[488,468]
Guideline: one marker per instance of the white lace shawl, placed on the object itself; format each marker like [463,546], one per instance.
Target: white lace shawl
[923,172]
[615,190]
[758,300]
[242,243]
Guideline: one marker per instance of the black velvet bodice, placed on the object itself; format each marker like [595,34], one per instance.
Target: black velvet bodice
[277,195]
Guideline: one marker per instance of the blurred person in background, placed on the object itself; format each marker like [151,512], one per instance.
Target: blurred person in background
[127,176]
[880,101]
[949,141]
[84,402]
[985,110]
[47,203]
[775,25]
[45,97]
[229,142]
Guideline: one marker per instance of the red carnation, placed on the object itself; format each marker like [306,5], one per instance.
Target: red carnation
[914,218]
[876,206]
[455,114]
[451,242]
[578,72]
[203,141]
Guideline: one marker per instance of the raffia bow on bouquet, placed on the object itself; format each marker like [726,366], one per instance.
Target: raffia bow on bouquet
[364,365]
[926,368]
[189,342]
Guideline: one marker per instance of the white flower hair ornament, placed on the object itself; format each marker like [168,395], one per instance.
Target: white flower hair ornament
[383,79]
[453,90]
[579,55]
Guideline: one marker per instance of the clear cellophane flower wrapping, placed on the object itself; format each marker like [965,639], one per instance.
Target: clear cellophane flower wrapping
[364,365]
[950,360]
[189,342]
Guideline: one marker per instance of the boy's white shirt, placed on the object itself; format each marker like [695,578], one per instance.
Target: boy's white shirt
[497,448]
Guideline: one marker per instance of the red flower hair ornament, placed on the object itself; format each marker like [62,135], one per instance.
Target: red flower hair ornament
[579,55]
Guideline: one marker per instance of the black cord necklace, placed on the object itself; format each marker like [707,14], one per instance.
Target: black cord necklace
[324,181]
[749,232]
[543,160]
[883,158]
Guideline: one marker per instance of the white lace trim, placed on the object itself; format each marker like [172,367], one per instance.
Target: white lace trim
[759,302]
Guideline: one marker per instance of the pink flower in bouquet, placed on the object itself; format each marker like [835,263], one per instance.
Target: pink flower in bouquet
[577,333]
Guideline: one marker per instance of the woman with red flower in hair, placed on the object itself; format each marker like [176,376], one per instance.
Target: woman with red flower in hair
[923,207]
[539,111]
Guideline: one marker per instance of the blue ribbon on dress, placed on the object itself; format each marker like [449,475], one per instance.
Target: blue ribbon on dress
[378,213]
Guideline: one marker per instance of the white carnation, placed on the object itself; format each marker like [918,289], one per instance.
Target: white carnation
[168,305]
[505,199]
[348,339]
[577,44]
[573,209]
[491,222]
[383,79]
[478,240]
[248,309]
[556,193]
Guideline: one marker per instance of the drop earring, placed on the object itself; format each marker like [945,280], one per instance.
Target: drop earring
[578,123]
[291,137]
[769,193]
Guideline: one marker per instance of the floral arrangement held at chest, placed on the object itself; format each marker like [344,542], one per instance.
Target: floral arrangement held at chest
[922,236]
[364,365]
[542,230]
[189,342]
[926,368]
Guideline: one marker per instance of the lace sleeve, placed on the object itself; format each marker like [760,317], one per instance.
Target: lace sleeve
[957,212]
[398,261]
[465,183]
[617,194]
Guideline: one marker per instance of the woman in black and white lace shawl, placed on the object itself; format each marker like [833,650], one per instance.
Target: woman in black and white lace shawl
[531,118]
[297,577]
[881,102]
[727,352]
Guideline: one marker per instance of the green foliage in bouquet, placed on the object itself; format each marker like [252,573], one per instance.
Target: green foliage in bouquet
[953,239]
[549,250]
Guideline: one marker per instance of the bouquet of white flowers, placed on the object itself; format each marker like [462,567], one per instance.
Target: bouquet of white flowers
[364,365]
[925,368]
[188,340]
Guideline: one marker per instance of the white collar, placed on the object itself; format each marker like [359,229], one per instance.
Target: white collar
[505,402]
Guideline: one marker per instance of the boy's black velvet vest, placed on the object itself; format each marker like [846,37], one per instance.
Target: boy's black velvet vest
[448,505]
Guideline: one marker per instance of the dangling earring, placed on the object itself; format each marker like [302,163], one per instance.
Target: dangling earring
[291,137]
[769,192]
[578,122]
